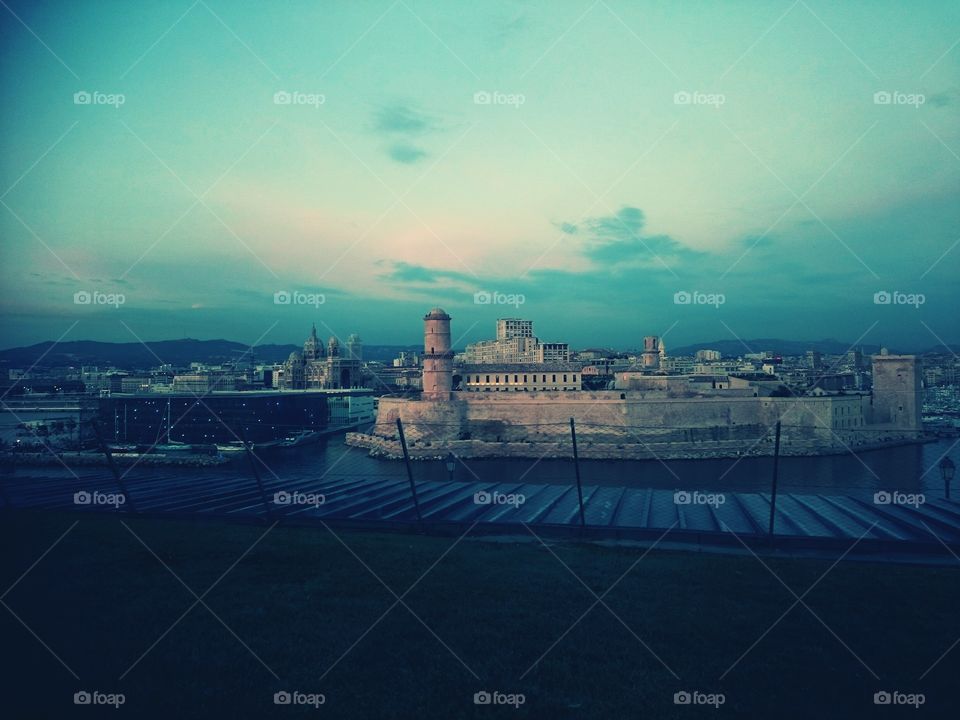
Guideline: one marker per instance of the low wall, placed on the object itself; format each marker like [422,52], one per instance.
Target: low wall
[611,424]
[423,449]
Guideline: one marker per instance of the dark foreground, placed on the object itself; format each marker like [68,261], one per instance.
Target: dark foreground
[302,609]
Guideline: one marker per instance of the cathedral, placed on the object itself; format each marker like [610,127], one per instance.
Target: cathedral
[319,367]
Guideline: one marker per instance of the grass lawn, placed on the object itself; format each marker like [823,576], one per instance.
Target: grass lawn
[299,599]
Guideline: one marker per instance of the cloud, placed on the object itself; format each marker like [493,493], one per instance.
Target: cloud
[406,154]
[403,123]
[409,273]
[617,240]
[625,224]
[402,119]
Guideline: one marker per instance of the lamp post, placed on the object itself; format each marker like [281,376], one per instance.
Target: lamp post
[451,462]
[947,469]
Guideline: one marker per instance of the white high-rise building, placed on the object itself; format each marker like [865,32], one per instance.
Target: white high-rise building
[515,343]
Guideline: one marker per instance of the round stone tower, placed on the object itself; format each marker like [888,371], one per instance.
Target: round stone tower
[437,356]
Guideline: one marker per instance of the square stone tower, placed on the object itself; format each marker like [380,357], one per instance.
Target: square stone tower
[896,391]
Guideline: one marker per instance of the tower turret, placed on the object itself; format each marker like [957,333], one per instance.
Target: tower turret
[437,356]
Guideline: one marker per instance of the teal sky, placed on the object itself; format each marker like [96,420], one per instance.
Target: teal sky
[587,185]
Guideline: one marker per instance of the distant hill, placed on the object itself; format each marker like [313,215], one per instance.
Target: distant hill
[134,355]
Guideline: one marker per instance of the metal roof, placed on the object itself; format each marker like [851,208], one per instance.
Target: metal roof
[608,511]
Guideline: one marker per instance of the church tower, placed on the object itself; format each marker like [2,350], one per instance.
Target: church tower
[312,348]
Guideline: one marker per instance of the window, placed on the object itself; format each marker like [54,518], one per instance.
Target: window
[515,378]
[554,378]
[574,378]
[488,378]
[524,378]
[564,378]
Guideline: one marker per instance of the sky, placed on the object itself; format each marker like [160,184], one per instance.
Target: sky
[610,170]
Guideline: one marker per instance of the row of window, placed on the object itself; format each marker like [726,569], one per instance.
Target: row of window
[526,389]
[506,378]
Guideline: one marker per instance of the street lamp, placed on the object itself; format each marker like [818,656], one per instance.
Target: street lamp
[947,469]
[451,464]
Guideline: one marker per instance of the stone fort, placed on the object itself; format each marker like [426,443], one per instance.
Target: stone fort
[656,421]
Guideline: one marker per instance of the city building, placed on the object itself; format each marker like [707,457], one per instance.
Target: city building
[514,377]
[515,343]
[316,367]
[553,353]
[225,417]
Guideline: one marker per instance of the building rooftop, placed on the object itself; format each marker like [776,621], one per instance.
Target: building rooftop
[245,393]
[518,368]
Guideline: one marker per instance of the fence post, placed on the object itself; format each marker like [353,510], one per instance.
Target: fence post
[406,460]
[256,473]
[576,466]
[131,507]
[773,489]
